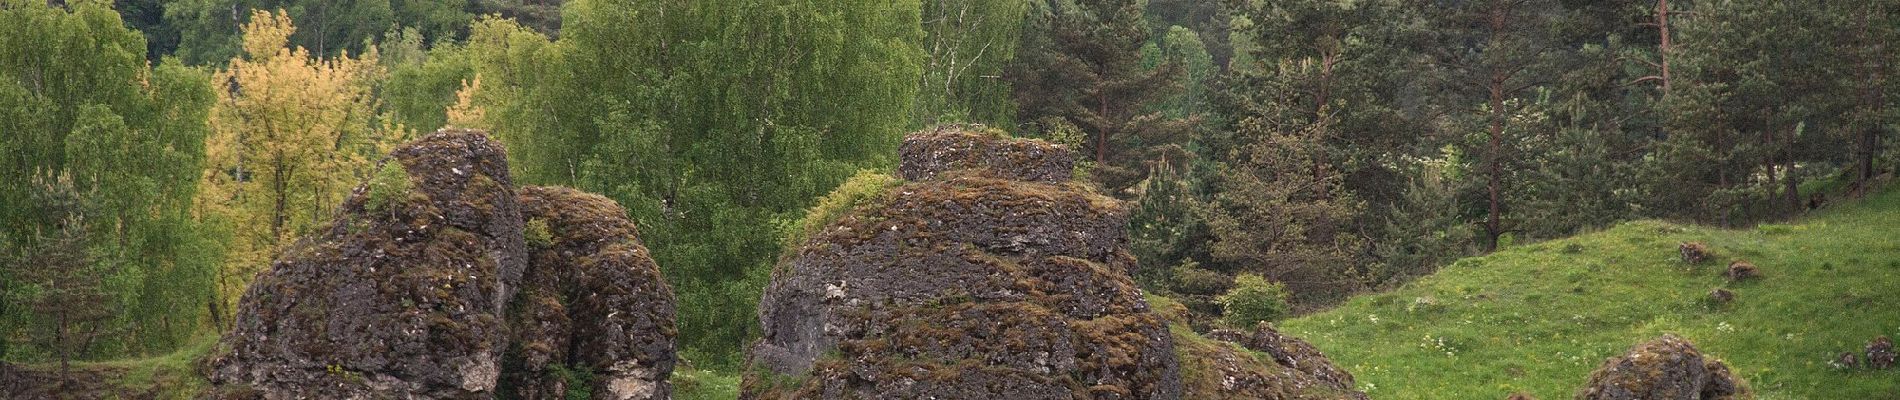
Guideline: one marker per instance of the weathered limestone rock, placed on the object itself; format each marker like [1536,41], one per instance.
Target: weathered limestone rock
[401,298]
[988,276]
[1666,368]
[592,300]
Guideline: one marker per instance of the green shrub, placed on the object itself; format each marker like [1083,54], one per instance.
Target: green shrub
[862,188]
[1189,278]
[388,187]
[1253,300]
[536,233]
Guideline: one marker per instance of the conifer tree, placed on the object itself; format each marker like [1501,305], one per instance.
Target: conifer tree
[1082,63]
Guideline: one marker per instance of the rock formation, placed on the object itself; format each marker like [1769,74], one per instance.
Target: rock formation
[988,276]
[1666,368]
[1290,352]
[402,295]
[592,300]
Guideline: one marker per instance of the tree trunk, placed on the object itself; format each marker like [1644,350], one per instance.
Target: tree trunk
[1101,138]
[1662,52]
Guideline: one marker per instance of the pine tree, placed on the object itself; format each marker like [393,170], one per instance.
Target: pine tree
[57,279]
[1082,63]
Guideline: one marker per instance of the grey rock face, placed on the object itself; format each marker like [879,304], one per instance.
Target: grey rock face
[1665,368]
[969,282]
[402,301]
[593,300]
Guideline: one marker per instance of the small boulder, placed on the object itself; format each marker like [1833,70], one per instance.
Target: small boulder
[1288,351]
[1693,252]
[1847,360]
[1521,396]
[1742,270]
[1721,296]
[1666,368]
[1880,353]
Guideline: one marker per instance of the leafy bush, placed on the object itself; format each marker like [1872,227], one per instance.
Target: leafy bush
[388,187]
[858,190]
[536,233]
[1253,300]
[1190,278]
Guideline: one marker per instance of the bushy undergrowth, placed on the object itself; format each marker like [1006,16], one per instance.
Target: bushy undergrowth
[1539,317]
[1254,300]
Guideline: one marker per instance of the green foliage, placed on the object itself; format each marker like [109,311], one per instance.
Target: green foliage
[78,99]
[695,384]
[536,234]
[1549,317]
[1190,278]
[709,121]
[579,380]
[208,30]
[1254,300]
[390,187]
[967,45]
[421,88]
[865,187]
[1081,65]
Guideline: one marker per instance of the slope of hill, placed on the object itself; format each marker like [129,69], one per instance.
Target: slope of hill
[1538,318]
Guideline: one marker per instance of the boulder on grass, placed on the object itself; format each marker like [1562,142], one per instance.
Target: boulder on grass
[1693,252]
[1665,368]
[1742,270]
[1880,353]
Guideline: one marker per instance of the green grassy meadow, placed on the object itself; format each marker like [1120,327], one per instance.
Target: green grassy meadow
[1540,317]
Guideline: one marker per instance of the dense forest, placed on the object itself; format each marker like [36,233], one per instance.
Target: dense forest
[155,155]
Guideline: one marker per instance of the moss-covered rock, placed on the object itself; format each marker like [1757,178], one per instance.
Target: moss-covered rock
[987,275]
[1222,370]
[1290,352]
[1665,368]
[404,301]
[592,300]
[949,148]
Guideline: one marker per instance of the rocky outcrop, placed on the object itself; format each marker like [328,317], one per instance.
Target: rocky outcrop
[402,300]
[410,293]
[990,275]
[593,301]
[1290,352]
[1225,370]
[966,149]
[1666,368]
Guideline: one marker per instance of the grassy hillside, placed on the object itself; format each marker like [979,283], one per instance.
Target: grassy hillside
[1540,317]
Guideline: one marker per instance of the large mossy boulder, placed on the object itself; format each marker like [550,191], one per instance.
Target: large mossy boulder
[593,308]
[399,296]
[425,286]
[968,282]
[1665,368]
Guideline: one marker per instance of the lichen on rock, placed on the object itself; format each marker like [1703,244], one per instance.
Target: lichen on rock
[402,301]
[987,275]
[1665,368]
[411,292]
[592,300]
